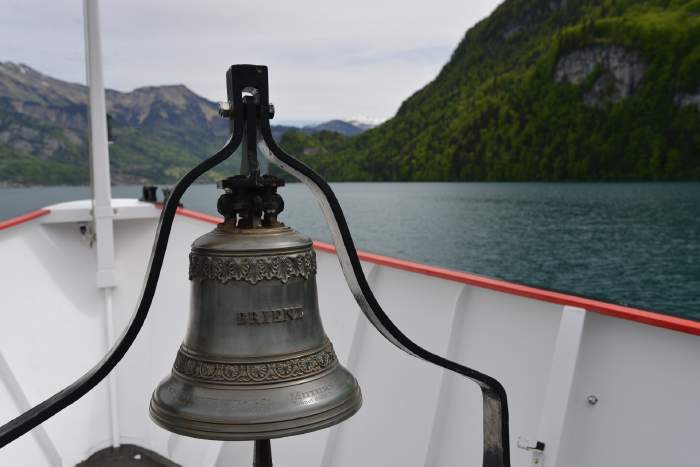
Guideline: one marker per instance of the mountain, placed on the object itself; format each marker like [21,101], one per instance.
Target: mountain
[539,90]
[342,127]
[159,131]
[544,90]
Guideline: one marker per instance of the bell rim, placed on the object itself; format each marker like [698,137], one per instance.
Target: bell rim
[161,407]
[256,431]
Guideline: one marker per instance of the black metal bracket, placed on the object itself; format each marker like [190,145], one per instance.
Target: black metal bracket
[248,102]
[251,199]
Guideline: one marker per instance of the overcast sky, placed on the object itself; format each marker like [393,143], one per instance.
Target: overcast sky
[327,59]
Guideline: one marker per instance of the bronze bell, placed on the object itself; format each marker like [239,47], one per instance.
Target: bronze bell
[255,362]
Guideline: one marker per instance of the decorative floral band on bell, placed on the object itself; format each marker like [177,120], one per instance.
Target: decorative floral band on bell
[252,269]
[274,371]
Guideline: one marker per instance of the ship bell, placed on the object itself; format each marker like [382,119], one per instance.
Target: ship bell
[255,362]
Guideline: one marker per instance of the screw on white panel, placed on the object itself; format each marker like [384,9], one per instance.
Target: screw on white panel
[87,232]
[592,399]
[537,458]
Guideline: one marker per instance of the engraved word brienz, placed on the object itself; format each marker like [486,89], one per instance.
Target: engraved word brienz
[271,316]
[252,269]
[276,371]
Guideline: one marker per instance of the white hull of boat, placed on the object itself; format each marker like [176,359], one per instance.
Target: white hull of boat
[553,353]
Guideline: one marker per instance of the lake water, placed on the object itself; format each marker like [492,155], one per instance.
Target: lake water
[636,244]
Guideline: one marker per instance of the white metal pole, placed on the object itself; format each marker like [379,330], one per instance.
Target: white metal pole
[99,152]
[101,189]
[112,377]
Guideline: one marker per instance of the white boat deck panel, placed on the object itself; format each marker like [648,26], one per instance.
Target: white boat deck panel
[551,352]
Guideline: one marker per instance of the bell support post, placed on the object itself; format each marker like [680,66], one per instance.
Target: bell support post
[262,453]
[249,109]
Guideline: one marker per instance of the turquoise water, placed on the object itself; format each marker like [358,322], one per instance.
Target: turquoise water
[636,244]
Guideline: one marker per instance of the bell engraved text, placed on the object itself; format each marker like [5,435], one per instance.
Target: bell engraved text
[271,316]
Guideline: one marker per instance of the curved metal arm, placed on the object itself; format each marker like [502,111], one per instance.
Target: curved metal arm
[496,440]
[62,399]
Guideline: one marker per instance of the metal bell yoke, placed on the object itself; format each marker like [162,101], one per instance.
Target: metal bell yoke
[255,362]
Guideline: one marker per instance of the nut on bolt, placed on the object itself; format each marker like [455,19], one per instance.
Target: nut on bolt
[225,109]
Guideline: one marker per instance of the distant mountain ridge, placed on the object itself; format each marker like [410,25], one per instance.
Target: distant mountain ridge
[160,131]
[338,126]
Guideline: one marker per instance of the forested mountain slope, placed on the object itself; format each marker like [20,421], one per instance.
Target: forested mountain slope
[544,90]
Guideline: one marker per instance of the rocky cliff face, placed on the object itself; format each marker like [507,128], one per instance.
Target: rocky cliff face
[688,99]
[616,72]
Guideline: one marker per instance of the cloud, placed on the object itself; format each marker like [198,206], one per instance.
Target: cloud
[326,58]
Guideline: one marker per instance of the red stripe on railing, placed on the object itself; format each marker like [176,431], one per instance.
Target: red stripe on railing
[7,223]
[617,311]
[609,309]
[200,216]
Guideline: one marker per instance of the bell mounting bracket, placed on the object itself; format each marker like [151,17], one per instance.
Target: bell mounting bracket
[250,111]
